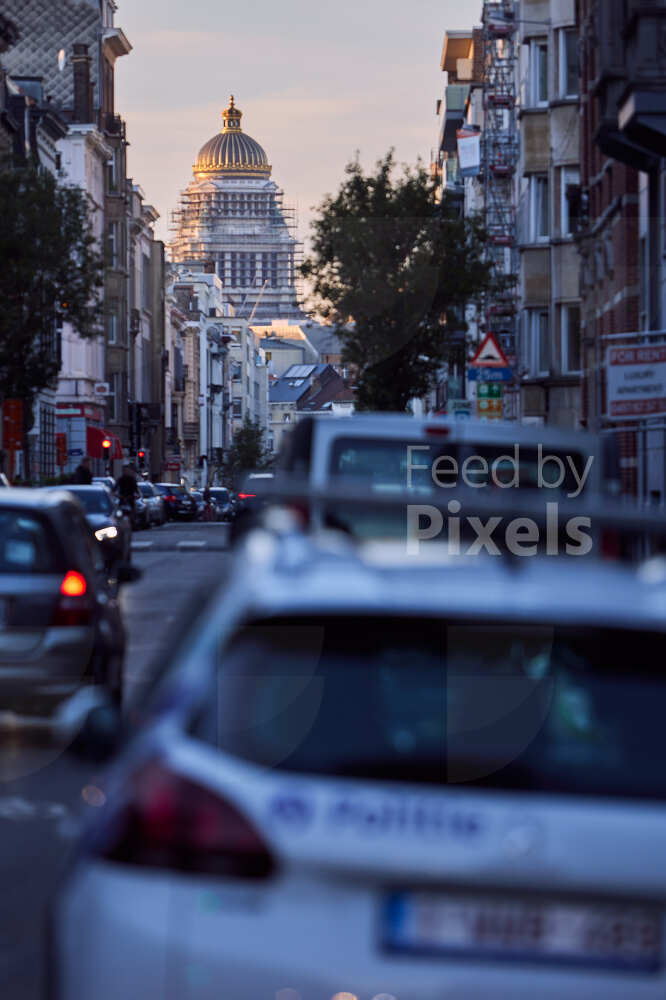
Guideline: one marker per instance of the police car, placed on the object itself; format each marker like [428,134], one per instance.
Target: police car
[366,776]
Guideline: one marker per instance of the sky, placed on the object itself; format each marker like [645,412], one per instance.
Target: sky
[316,80]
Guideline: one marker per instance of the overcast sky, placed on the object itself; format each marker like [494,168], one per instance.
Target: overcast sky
[316,80]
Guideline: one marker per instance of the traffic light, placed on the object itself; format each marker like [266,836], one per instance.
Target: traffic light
[142,459]
[106,445]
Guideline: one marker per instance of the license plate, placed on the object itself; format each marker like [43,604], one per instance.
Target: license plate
[601,935]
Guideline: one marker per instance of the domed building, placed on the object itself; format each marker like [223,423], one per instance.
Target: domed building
[233,215]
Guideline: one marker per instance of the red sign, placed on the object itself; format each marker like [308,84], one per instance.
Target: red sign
[172,467]
[490,355]
[12,424]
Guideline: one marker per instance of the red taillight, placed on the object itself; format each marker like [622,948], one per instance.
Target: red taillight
[170,497]
[74,585]
[172,822]
[247,496]
[74,608]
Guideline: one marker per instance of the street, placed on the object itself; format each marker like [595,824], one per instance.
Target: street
[43,792]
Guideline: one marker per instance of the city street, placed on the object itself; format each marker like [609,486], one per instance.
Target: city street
[42,792]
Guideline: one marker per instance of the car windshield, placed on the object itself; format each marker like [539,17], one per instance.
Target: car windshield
[511,706]
[220,494]
[94,501]
[145,490]
[27,544]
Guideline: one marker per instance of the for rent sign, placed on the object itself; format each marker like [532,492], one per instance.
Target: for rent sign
[636,382]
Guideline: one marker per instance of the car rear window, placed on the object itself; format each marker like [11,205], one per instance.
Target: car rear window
[388,464]
[145,491]
[509,706]
[220,494]
[28,544]
[172,490]
[93,501]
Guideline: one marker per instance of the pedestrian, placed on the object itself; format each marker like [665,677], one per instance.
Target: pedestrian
[82,473]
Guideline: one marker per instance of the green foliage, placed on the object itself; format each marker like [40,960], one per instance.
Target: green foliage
[49,263]
[248,452]
[393,271]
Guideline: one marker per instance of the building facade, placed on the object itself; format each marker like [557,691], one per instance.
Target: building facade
[233,215]
[550,363]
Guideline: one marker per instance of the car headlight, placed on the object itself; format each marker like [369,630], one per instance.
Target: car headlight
[104,534]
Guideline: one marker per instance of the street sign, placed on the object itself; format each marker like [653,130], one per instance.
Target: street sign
[490,354]
[636,382]
[476,374]
[75,452]
[460,409]
[489,401]
[101,389]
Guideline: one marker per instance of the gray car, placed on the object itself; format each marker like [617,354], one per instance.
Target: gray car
[60,623]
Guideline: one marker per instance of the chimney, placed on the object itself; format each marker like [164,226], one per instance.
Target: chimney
[83,103]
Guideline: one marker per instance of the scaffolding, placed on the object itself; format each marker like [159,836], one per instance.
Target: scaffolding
[500,151]
[260,253]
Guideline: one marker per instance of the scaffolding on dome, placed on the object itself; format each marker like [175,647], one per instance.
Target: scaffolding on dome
[199,214]
[500,153]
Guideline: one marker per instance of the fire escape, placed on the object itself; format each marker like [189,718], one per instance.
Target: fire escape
[499,165]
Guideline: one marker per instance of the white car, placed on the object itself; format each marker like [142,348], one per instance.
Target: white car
[370,777]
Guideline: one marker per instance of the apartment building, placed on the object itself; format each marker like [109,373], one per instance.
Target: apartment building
[548,186]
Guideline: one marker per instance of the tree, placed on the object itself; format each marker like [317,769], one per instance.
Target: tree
[247,453]
[393,270]
[51,266]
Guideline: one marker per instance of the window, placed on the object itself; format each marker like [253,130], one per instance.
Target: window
[571,345]
[570,191]
[536,344]
[146,283]
[113,409]
[112,172]
[112,245]
[112,327]
[378,698]
[238,408]
[539,208]
[568,62]
[538,83]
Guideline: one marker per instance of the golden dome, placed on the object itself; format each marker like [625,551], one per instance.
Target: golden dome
[232,152]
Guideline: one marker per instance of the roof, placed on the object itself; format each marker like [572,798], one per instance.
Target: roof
[329,575]
[231,151]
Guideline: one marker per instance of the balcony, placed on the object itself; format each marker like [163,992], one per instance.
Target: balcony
[455,101]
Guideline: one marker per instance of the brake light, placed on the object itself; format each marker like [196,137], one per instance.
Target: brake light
[74,585]
[170,497]
[174,823]
[247,496]
[74,608]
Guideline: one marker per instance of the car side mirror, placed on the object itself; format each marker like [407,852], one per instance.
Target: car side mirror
[128,574]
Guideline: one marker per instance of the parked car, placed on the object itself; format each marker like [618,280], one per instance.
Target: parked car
[111,529]
[154,502]
[221,499]
[60,623]
[107,481]
[179,504]
[430,768]
[197,496]
[249,504]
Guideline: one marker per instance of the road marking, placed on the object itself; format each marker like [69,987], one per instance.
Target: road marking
[139,546]
[192,545]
